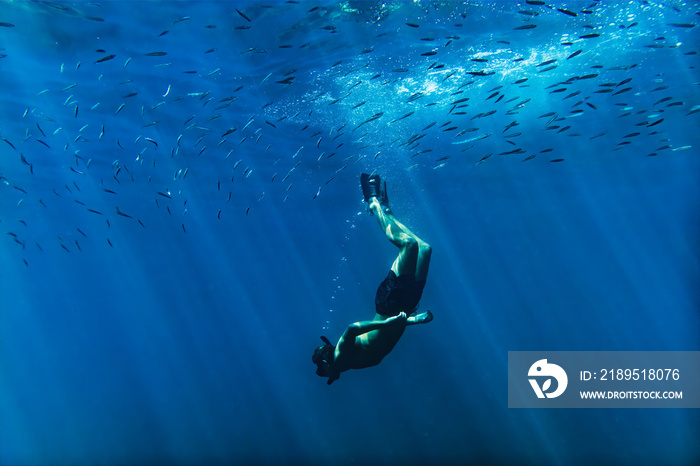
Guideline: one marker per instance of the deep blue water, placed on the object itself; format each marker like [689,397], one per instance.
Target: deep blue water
[183,332]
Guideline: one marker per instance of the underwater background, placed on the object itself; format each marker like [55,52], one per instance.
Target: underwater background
[181,219]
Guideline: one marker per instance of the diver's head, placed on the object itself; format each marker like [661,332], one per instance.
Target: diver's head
[323,358]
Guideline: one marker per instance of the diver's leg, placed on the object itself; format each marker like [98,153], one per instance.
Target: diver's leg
[414,253]
[424,251]
[384,201]
[405,263]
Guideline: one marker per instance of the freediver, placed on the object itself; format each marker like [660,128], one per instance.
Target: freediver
[366,343]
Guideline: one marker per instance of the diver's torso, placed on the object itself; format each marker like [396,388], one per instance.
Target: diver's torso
[371,347]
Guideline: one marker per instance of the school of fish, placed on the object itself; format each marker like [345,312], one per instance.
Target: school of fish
[108,121]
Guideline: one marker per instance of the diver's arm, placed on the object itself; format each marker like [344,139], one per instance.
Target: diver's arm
[347,339]
[358,328]
[423,318]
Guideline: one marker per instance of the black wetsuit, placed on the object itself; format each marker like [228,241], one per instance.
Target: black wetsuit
[398,294]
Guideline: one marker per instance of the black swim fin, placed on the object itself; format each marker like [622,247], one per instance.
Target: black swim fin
[371,186]
[383,196]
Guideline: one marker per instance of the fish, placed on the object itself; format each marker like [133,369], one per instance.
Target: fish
[576,53]
[477,138]
[665,99]
[567,12]
[8,143]
[589,36]
[514,151]
[520,104]
[484,157]
[24,161]
[119,212]
[511,125]
[370,119]
[623,90]
[107,58]
[243,15]
[6,25]
[548,62]
[525,26]
[401,118]
[484,114]
[155,54]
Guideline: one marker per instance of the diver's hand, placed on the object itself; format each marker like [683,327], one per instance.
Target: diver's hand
[401,318]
